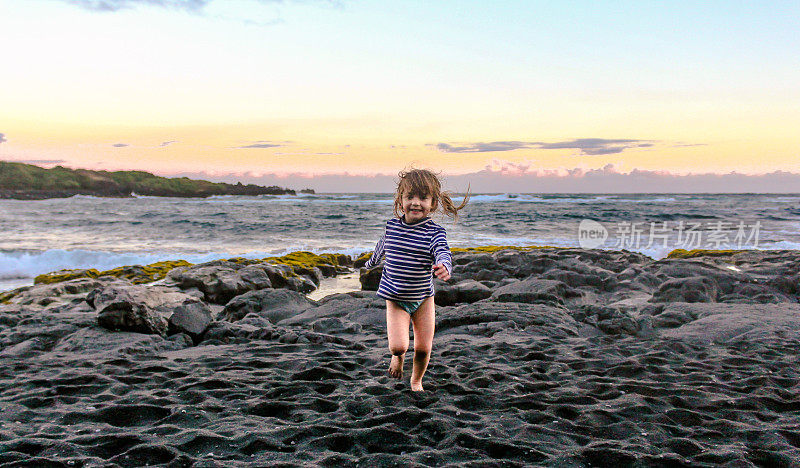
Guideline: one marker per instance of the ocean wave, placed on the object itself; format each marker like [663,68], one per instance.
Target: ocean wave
[380,201]
[534,198]
[678,216]
[18,265]
[333,195]
[27,264]
[147,197]
[193,223]
[766,244]
[488,198]
[644,200]
[783,199]
[305,199]
[474,239]
[501,197]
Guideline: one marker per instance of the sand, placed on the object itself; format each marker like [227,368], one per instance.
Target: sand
[576,358]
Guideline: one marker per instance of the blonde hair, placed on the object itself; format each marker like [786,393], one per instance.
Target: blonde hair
[422,182]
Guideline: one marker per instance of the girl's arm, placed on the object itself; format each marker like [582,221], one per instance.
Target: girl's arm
[441,251]
[377,253]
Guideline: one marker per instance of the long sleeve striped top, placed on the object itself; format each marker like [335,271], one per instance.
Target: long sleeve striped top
[410,250]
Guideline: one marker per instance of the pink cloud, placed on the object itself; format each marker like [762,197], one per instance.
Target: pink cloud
[504,176]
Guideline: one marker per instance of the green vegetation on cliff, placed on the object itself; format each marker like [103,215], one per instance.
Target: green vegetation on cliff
[26,181]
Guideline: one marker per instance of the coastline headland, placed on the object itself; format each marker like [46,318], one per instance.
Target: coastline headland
[29,182]
[542,356]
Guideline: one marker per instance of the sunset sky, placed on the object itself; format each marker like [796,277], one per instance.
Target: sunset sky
[229,88]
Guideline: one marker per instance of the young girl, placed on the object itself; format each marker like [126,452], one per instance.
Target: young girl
[416,249]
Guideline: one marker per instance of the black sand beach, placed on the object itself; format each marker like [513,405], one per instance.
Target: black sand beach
[545,357]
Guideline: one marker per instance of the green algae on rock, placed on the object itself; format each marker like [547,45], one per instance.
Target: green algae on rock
[66,275]
[136,274]
[300,258]
[362,259]
[5,297]
[337,259]
[683,253]
[308,259]
[300,262]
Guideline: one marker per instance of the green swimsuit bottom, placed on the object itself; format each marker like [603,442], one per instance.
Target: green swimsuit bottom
[409,306]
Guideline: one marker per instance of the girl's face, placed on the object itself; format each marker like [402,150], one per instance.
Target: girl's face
[416,208]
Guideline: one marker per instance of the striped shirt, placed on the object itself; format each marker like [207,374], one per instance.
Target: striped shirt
[410,250]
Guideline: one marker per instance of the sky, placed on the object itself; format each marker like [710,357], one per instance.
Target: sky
[338,94]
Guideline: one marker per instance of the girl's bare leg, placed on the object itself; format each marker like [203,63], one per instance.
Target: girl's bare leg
[424,321]
[397,321]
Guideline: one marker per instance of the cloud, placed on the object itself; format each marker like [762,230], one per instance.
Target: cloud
[116,5]
[197,7]
[261,144]
[194,6]
[508,167]
[597,146]
[484,147]
[304,153]
[120,145]
[587,146]
[2,137]
[606,179]
[252,22]
[165,143]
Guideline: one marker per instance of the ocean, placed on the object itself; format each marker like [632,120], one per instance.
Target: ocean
[89,232]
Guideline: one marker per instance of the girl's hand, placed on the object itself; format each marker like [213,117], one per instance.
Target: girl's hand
[441,272]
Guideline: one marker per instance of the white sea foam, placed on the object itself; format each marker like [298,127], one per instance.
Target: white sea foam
[783,199]
[489,198]
[642,200]
[480,239]
[22,265]
[147,197]
[300,198]
[14,283]
[778,245]
[533,198]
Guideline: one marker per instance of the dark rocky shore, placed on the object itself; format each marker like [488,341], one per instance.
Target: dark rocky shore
[542,357]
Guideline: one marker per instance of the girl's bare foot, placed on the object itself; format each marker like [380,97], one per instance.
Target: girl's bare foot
[416,386]
[396,366]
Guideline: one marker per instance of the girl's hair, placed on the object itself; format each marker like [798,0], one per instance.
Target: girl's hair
[422,182]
